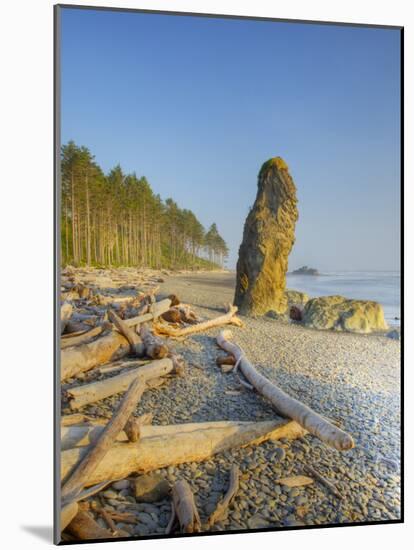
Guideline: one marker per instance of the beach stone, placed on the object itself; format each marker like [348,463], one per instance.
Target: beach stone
[268,237]
[147,520]
[339,313]
[141,530]
[151,488]
[257,522]
[394,334]
[120,485]
[279,454]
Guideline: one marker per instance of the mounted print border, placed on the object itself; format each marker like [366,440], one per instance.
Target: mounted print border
[207,380]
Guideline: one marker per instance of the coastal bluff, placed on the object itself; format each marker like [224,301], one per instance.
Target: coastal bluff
[268,237]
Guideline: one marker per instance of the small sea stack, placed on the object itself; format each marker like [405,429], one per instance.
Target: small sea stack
[268,237]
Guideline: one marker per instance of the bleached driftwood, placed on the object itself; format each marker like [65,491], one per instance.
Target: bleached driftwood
[71,419]
[88,463]
[153,345]
[155,310]
[161,446]
[84,357]
[311,421]
[67,513]
[66,310]
[222,507]
[86,433]
[137,347]
[113,367]
[228,318]
[83,338]
[109,300]
[95,391]
[185,507]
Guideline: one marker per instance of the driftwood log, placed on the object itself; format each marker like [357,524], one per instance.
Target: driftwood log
[134,340]
[67,513]
[71,419]
[153,345]
[311,421]
[228,318]
[155,310]
[185,508]
[161,446]
[95,391]
[84,434]
[84,337]
[66,310]
[85,357]
[86,466]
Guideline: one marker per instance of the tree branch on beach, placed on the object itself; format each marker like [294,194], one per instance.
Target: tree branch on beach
[228,318]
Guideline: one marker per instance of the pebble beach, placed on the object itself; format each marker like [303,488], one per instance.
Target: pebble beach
[352,379]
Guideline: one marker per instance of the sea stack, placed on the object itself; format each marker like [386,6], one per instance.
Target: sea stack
[268,237]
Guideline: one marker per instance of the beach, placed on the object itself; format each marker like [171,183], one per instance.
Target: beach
[352,379]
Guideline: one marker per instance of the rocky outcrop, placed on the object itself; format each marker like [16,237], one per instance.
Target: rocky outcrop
[268,237]
[305,270]
[296,298]
[339,313]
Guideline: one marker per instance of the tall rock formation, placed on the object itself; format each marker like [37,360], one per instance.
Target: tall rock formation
[268,237]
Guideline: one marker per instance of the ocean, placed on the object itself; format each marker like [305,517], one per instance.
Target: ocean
[380,286]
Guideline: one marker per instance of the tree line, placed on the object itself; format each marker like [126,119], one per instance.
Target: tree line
[116,219]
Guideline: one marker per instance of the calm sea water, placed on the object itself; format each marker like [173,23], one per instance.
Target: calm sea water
[381,286]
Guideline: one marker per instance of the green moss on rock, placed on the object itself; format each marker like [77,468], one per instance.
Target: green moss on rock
[296,298]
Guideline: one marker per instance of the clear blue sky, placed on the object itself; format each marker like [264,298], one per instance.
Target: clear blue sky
[197,105]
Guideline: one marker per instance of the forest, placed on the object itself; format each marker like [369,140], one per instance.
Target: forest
[116,219]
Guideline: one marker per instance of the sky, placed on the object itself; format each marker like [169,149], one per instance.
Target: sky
[198,104]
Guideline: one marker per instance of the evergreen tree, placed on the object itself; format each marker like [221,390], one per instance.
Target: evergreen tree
[116,219]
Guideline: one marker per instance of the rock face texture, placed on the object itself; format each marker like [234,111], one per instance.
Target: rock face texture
[339,313]
[296,298]
[268,237]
